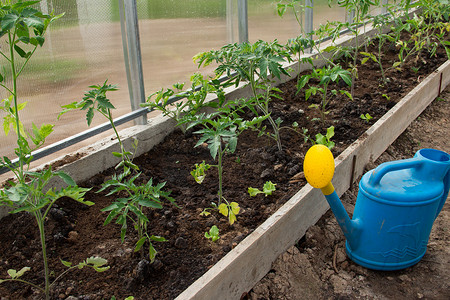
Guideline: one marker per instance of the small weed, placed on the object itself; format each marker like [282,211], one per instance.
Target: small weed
[326,139]
[213,233]
[268,188]
[366,117]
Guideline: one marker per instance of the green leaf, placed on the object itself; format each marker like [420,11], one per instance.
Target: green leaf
[140,243]
[66,178]
[268,188]
[37,41]
[90,115]
[21,52]
[35,22]
[152,253]
[117,154]
[396,64]
[330,132]
[20,6]
[101,269]
[139,214]
[281,9]
[105,103]
[223,209]
[235,207]
[320,139]
[346,77]
[12,273]
[28,11]
[150,203]
[96,261]
[253,192]
[303,81]
[205,213]
[8,21]
[232,144]
[231,218]
[45,130]
[157,238]
[66,263]
[214,230]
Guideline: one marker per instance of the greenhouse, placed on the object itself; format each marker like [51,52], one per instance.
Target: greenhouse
[193,149]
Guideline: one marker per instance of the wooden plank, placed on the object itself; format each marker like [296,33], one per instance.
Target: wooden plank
[246,264]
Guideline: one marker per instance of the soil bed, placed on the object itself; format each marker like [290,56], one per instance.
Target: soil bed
[75,232]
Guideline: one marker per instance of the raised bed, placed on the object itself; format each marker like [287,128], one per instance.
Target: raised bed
[246,264]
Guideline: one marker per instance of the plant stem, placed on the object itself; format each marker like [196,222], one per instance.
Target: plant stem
[380,46]
[324,103]
[122,149]
[40,221]
[140,233]
[265,111]
[220,170]
[16,110]
[24,281]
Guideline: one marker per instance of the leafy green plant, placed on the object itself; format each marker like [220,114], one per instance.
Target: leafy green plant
[388,98]
[23,28]
[326,139]
[308,40]
[361,9]
[325,75]
[366,117]
[427,31]
[230,210]
[194,99]
[95,100]
[257,64]
[220,131]
[213,234]
[268,189]
[138,196]
[199,172]
[379,23]
[131,208]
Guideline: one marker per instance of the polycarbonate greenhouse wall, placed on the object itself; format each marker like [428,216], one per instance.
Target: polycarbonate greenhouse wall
[142,46]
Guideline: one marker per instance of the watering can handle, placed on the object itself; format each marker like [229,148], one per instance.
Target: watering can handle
[385,168]
[446,190]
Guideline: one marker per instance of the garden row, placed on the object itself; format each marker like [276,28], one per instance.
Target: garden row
[254,137]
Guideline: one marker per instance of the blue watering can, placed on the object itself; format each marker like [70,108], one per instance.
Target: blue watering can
[395,209]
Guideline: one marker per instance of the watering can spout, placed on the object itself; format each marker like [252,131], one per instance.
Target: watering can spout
[319,170]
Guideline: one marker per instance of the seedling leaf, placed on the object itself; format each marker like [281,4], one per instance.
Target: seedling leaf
[66,263]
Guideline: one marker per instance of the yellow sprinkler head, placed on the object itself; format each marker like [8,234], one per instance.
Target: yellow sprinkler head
[319,166]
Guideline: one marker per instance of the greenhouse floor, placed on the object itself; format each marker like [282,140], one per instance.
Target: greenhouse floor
[318,268]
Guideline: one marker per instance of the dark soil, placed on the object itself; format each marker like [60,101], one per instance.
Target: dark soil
[75,232]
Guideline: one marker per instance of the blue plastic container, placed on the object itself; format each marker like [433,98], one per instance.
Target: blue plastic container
[395,209]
